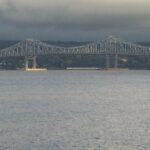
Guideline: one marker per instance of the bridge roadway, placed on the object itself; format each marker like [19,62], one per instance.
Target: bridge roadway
[30,48]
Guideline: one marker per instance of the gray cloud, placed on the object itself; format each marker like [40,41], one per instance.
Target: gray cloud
[74,19]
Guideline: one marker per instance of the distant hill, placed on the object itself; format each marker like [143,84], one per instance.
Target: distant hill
[144,43]
[7,43]
[66,44]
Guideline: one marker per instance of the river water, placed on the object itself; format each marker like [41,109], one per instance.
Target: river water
[75,110]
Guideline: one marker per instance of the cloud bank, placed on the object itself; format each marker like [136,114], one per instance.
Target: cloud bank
[74,19]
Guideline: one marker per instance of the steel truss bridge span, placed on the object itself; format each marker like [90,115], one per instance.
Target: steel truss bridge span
[109,46]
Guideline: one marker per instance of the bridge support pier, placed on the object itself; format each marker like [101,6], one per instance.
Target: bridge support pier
[26,63]
[34,64]
[116,61]
[107,61]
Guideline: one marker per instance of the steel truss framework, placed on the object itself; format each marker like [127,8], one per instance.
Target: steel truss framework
[110,46]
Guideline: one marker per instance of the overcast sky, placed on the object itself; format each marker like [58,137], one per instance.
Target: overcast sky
[81,20]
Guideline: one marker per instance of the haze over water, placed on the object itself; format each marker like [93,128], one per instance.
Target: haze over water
[75,110]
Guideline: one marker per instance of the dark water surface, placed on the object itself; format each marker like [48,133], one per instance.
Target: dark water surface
[75,110]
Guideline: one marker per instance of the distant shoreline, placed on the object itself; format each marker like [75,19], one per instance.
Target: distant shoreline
[83,69]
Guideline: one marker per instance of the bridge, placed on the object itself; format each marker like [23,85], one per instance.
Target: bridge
[111,46]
